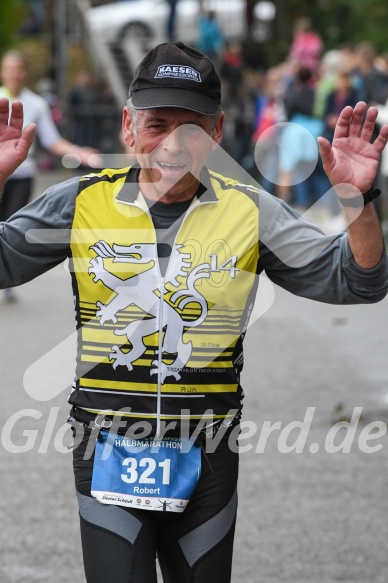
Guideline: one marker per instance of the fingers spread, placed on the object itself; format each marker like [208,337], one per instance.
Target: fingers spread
[325,151]
[4,111]
[27,136]
[381,140]
[324,144]
[16,119]
[355,122]
[369,124]
[342,126]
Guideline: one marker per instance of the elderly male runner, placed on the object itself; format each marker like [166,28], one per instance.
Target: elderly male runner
[164,262]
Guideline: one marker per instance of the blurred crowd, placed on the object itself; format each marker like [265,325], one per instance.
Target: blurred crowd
[273,115]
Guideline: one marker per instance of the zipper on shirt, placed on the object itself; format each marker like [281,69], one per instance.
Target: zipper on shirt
[162,281]
[160,359]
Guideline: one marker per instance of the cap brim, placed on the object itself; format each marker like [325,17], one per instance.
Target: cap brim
[174,97]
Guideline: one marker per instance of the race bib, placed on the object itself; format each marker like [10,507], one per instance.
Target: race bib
[148,474]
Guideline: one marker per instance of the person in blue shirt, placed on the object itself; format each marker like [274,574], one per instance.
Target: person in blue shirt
[211,38]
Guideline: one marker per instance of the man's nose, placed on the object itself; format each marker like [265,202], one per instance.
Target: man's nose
[174,142]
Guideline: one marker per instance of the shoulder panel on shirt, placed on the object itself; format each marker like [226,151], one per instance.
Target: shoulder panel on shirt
[223,183]
[106,175]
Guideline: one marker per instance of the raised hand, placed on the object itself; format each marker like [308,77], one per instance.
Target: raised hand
[351,158]
[14,141]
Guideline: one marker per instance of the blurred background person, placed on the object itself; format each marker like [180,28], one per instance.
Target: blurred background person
[331,63]
[373,89]
[373,82]
[171,20]
[269,113]
[36,20]
[45,88]
[210,36]
[343,94]
[108,116]
[307,45]
[300,180]
[18,189]
[231,68]
[83,104]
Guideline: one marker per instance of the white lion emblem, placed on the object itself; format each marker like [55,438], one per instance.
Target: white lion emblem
[139,290]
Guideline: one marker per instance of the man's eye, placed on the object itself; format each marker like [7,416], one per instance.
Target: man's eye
[157,125]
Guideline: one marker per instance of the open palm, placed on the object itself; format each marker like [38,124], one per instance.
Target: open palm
[14,141]
[352,158]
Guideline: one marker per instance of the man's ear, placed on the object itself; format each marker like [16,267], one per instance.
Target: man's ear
[218,130]
[127,127]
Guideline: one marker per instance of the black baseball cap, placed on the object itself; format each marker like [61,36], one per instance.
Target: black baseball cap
[176,75]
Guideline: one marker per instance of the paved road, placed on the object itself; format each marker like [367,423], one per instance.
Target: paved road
[304,517]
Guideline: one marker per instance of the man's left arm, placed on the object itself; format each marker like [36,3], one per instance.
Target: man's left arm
[351,164]
[364,235]
[297,256]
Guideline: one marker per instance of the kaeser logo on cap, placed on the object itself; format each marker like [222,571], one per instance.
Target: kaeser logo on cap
[178,71]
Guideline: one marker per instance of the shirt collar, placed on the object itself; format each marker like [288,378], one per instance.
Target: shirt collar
[130,191]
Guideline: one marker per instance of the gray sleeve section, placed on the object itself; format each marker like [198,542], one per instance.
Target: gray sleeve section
[37,237]
[110,517]
[297,256]
[202,539]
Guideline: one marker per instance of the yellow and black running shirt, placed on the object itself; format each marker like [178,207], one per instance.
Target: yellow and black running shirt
[153,347]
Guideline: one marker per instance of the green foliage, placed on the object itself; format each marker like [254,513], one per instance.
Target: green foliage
[348,21]
[12,13]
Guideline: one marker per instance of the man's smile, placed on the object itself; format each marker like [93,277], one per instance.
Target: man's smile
[169,168]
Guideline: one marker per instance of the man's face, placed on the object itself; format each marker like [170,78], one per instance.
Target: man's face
[13,74]
[172,146]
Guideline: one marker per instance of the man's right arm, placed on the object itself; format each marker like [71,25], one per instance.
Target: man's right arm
[37,237]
